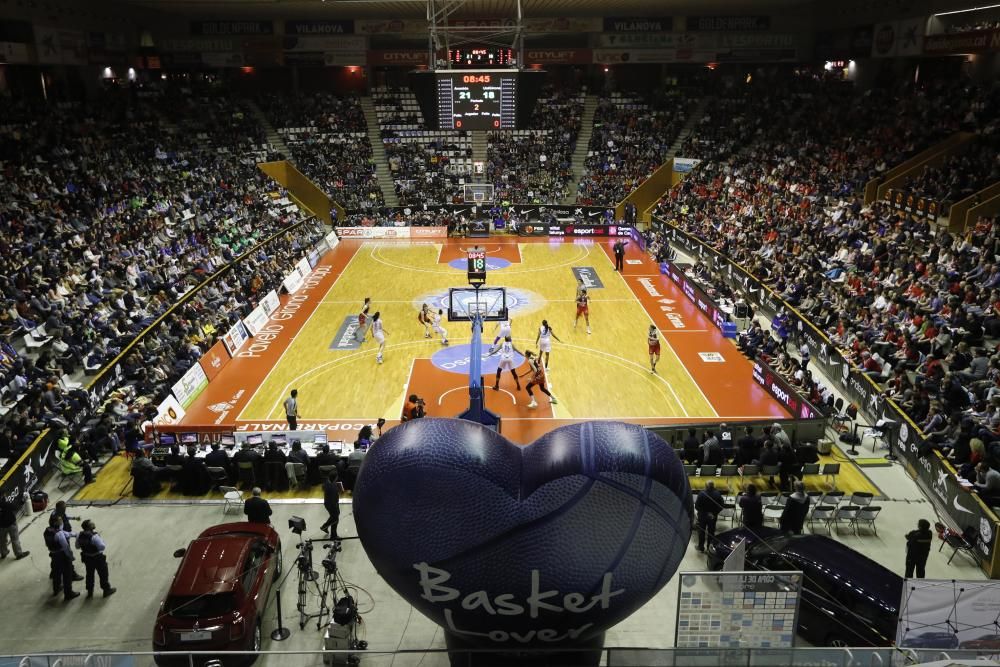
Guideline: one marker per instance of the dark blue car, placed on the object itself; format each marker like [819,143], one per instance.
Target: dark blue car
[930,639]
[847,598]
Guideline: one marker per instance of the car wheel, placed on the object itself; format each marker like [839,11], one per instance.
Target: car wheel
[279,562]
[834,640]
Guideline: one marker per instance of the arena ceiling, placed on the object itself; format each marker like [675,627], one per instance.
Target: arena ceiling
[274,9]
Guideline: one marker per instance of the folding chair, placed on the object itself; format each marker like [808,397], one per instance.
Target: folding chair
[833,498]
[233,498]
[809,470]
[830,471]
[861,499]
[707,471]
[773,512]
[822,514]
[246,475]
[749,470]
[867,515]
[727,472]
[218,476]
[690,470]
[964,541]
[770,472]
[67,478]
[296,473]
[846,514]
[728,511]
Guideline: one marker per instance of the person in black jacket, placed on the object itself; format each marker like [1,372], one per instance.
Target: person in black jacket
[218,458]
[331,501]
[692,448]
[753,508]
[793,517]
[918,546]
[747,448]
[707,506]
[256,508]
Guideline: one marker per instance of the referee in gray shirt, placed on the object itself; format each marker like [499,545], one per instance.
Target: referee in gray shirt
[292,409]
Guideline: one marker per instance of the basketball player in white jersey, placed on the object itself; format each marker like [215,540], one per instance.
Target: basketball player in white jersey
[653,340]
[379,334]
[504,327]
[506,351]
[544,341]
[438,329]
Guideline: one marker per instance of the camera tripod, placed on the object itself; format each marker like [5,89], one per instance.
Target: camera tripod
[307,575]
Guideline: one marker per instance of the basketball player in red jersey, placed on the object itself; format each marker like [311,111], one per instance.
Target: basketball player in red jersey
[363,321]
[653,339]
[537,373]
[582,308]
[424,317]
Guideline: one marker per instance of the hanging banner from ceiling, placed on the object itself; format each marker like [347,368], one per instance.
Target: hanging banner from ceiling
[319,27]
[232,28]
[728,23]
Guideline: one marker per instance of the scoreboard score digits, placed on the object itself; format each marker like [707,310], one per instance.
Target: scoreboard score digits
[477,100]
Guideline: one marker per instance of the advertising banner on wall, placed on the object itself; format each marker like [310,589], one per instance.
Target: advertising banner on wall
[292,282]
[683,165]
[558,56]
[30,469]
[56,46]
[949,614]
[256,320]
[979,41]
[232,28]
[324,44]
[641,56]
[733,610]
[535,25]
[638,24]
[14,53]
[401,57]
[319,27]
[214,360]
[331,240]
[192,383]
[936,476]
[270,302]
[899,38]
[902,200]
[642,40]
[235,337]
[727,23]
[169,412]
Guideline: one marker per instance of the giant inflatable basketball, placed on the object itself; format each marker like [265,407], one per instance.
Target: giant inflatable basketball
[507,546]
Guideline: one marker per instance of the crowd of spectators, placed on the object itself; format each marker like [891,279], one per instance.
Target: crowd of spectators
[534,166]
[328,139]
[428,167]
[905,300]
[110,213]
[962,174]
[632,137]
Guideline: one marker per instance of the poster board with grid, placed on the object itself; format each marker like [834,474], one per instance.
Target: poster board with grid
[751,609]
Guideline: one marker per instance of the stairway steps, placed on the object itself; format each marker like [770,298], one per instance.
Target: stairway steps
[382,171]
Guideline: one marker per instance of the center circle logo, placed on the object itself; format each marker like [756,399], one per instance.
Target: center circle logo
[458,359]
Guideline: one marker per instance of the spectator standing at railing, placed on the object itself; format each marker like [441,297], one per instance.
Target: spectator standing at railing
[9,531]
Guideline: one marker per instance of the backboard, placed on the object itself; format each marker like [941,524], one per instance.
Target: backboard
[465,302]
[477,193]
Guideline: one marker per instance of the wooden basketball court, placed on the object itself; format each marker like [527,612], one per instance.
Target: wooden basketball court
[603,375]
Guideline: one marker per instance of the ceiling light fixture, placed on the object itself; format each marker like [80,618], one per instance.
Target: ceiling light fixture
[970,9]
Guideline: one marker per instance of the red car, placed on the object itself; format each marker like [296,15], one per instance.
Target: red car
[217,599]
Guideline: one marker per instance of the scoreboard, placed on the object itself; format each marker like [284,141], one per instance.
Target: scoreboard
[477,100]
[487,56]
[477,266]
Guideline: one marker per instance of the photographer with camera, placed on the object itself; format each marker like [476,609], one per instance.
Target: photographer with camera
[414,408]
